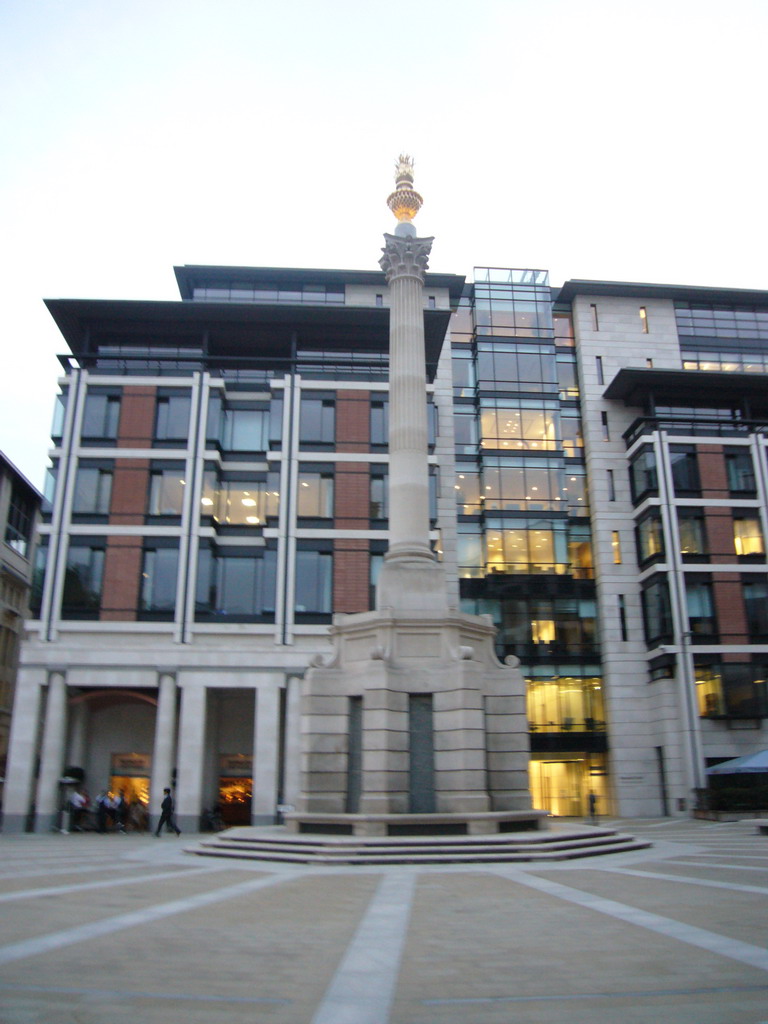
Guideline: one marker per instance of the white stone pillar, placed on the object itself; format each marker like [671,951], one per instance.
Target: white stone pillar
[265,747]
[404,262]
[165,745]
[78,733]
[52,754]
[191,756]
[22,753]
[292,751]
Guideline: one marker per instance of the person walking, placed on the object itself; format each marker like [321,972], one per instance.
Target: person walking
[166,814]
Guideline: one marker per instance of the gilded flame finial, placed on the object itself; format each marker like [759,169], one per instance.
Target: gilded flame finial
[404,202]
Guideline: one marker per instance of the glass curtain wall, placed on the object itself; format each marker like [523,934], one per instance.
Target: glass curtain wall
[523,517]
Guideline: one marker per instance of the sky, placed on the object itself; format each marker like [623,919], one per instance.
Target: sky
[613,140]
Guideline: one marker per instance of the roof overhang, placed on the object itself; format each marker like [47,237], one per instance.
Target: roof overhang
[233,329]
[191,276]
[684,293]
[634,386]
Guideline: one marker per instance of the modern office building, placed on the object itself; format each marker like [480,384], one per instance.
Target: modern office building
[19,513]
[599,487]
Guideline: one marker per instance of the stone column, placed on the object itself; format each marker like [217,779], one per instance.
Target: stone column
[52,754]
[292,753]
[191,754]
[410,577]
[78,734]
[165,745]
[265,746]
[22,752]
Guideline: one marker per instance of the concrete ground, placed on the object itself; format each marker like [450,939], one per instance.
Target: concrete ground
[115,929]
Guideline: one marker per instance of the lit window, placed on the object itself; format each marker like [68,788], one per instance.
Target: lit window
[748,537]
[644,319]
[616,547]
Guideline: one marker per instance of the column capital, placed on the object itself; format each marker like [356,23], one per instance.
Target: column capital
[405,256]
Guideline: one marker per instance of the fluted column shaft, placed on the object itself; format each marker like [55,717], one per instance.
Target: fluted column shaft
[52,754]
[404,262]
[165,743]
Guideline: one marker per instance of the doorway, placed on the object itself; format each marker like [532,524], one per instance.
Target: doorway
[235,795]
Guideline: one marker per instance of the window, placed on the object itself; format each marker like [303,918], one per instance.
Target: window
[240,499]
[317,422]
[564,703]
[657,613]
[379,424]
[622,604]
[379,300]
[644,319]
[83,579]
[59,413]
[701,610]
[693,538]
[527,625]
[643,477]
[516,366]
[593,315]
[522,550]
[518,426]
[580,552]
[741,472]
[314,582]
[431,301]
[166,491]
[731,690]
[748,537]
[100,416]
[685,469]
[599,368]
[172,417]
[93,490]
[379,497]
[158,581]
[236,584]
[21,516]
[245,430]
[755,593]
[567,381]
[611,486]
[606,432]
[616,547]
[467,489]
[650,537]
[315,497]
[530,484]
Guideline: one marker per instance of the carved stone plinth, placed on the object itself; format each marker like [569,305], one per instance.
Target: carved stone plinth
[382,659]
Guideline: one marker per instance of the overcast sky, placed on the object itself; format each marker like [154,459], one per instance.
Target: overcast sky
[616,140]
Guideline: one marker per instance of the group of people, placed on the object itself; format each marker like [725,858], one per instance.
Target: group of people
[109,812]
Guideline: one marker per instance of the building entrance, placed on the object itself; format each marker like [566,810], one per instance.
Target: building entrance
[235,800]
[563,787]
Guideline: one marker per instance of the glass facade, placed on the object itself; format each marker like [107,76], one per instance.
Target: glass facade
[524,539]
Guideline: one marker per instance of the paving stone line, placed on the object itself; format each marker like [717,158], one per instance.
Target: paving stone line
[362,990]
[734,949]
[83,933]
[108,883]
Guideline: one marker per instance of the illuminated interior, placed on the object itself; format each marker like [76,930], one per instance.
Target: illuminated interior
[563,787]
[235,800]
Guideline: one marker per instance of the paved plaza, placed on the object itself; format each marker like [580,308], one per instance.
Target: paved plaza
[116,929]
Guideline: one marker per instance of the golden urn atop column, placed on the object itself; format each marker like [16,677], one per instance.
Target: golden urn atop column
[404,202]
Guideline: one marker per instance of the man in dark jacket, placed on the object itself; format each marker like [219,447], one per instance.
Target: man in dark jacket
[166,816]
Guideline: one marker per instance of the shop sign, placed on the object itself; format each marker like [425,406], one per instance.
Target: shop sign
[131,764]
[237,765]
